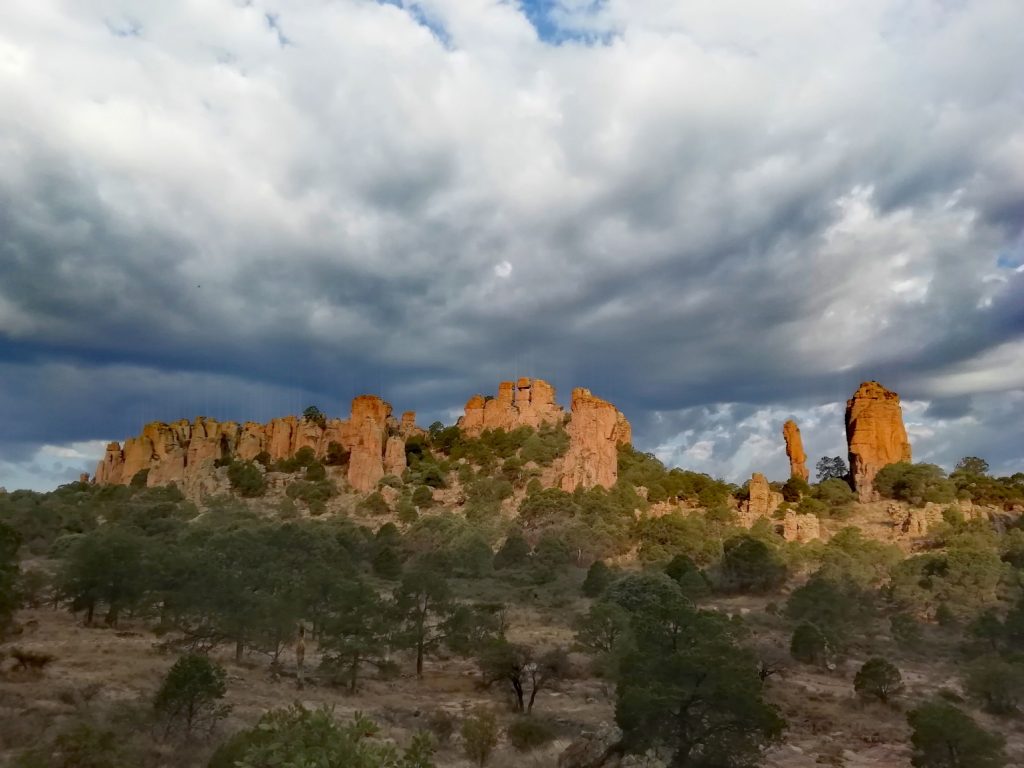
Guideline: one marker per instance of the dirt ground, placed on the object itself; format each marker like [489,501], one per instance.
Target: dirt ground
[119,670]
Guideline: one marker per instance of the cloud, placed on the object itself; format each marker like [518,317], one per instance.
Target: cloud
[713,209]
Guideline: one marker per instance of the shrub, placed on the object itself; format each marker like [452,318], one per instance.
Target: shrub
[599,576]
[915,483]
[423,497]
[190,694]
[374,504]
[794,488]
[336,455]
[809,644]
[246,479]
[441,723]
[997,684]
[514,552]
[879,679]
[480,736]
[751,565]
[945,737]
[315,472]
[528,733]
[906,630]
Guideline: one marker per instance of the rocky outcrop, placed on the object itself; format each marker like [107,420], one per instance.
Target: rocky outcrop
[762,501]
[596,429]
[875,435]
[795,450]
[524,403]
[801,528]
[182,452]
[394,456]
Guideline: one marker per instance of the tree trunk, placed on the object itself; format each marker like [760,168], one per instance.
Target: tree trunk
[239,649]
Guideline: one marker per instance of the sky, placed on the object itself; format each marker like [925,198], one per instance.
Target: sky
[718,214]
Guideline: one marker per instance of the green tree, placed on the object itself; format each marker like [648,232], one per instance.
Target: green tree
[829,468]
[190,694]
[10,542]
[480,736]
[522,669]
[602,627]
[425,609]
[915,483]
[314,415]
[103,567]
[246,479]
[358,632]
[305,738]
[691,579]
[599,576]
[879,679]
[514,552]
[945,737]
[998,684]
[794,488]
[751,565]
[836,608]
[972,465]
[809,644]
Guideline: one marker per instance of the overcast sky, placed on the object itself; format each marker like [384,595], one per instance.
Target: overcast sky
[716,213]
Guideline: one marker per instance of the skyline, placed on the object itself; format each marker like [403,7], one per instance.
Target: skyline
[715,215]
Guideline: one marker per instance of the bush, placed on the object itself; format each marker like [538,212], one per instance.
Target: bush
[997,684]
[246,479]
[684,572]
[794,488]
[336,455]
[374,504]
[599,576]
[751,565]
[528,733]
[945,737]
[906,631]
[809,644]
[190,694]
[480,736]
[916,484]
[879,679]
[514,552]
[315,472]
[423,497]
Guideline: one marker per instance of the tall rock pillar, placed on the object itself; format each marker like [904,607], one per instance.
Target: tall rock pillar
[795,450]
[875,435]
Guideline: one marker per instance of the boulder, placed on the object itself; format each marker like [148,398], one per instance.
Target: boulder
[795,450]
[600,748]
[875,435]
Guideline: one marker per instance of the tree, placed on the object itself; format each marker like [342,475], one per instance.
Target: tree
[357,632]
[10,542]
[972,465]
[190,694]
[105,566]
[945,737]
[809,644]
[246,478]
[600,629]
[691,579]
[997,684]
[517,665]
[835,607]
[514,552]
[301,737]
[599,576]
[424,607]
[751,565]
[794,488]
[831,467]
[879,679]
[916,484]
[480,736]
[314,415]
[702,701]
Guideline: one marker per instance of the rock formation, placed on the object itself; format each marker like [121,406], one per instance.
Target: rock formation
[762,501]
[801,528]
[875,435]
[525,403]
[183,451]
[795,450]
[596,428]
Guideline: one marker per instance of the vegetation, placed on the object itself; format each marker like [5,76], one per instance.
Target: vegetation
[190,695]
[945,737]
[879,679]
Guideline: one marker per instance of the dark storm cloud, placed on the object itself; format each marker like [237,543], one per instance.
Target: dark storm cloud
[717,215]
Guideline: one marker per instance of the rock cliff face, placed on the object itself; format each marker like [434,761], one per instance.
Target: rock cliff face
[795,450]
[596,429]
[183,451]
[525,403]
[875,435]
